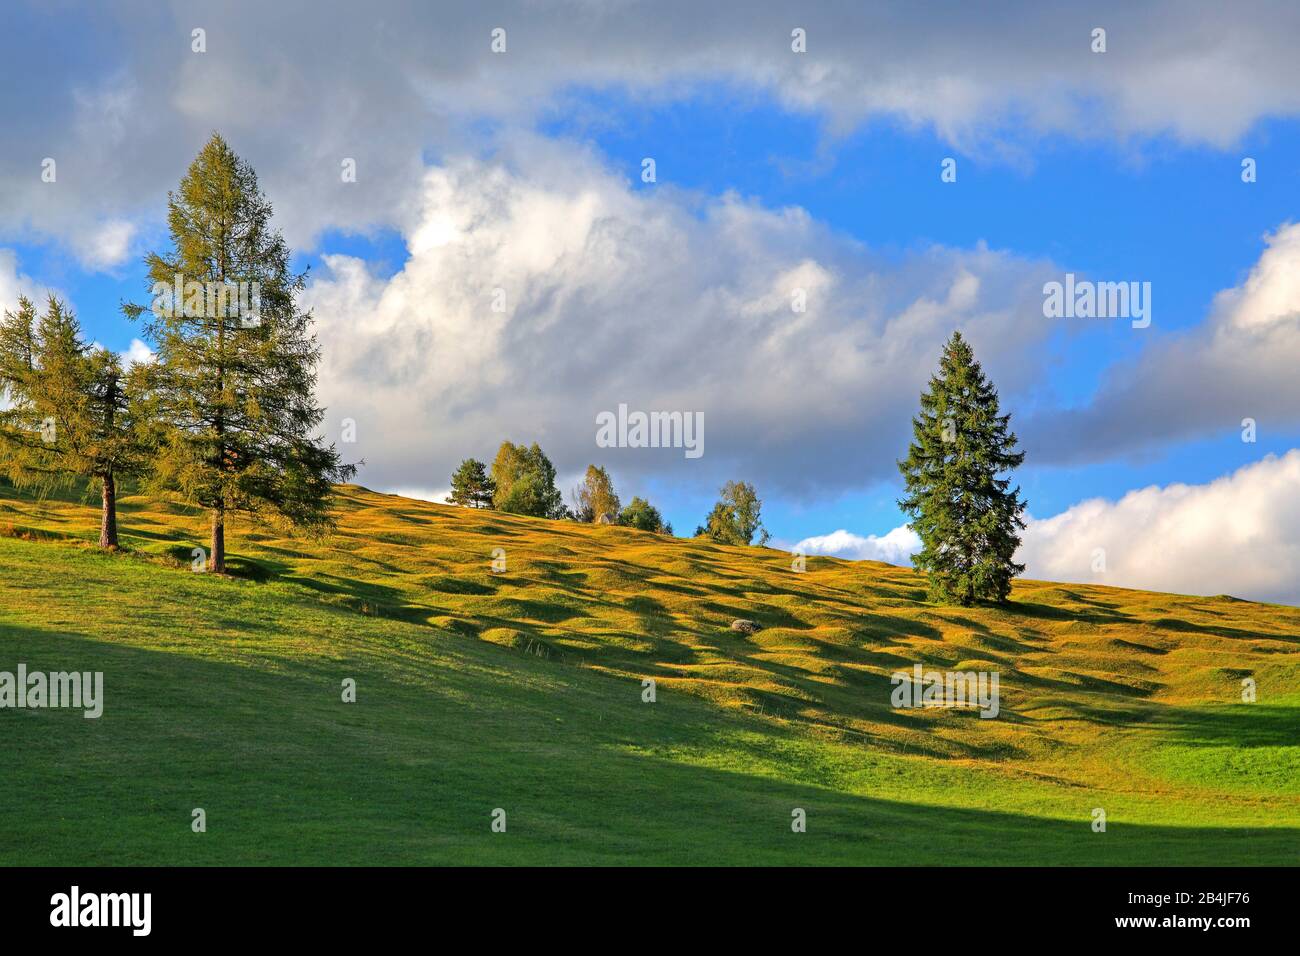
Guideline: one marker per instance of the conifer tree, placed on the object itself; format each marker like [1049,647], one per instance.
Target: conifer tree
[966,515]
[232,388]
[643,516]
[72,412]
[470,485]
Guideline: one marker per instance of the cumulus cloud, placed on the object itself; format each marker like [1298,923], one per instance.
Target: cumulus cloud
[386,86]
[896,547]
[138,353]
[1239,535]
[14,283]
[1241,363]
[104,246]
[659,300]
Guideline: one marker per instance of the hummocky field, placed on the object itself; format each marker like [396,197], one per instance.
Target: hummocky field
[522,690]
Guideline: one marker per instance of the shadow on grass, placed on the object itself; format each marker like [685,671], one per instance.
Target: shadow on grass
[290,775]
[1105,613]
[1234,725]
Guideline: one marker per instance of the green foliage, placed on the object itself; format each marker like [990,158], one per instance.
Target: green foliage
[525,482]
[737,516]
[231,394]
[595,497]
[72,412]
[644,516]
[470,485]
[965,514]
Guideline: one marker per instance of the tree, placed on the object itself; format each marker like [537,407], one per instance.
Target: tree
[737,516]
[72,412]
[643,516]
[966,516]
[470,485]
[525,482]
[595,497]
[232,389]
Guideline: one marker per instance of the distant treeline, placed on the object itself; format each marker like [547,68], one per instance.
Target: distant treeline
[522,481]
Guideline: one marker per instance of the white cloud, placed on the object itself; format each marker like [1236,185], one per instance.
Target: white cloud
[125,116]
[1241,363]
[1239,535]
[106,246]
[1270,296]
[657,299]
[14,283]
[137,353]
[896,547]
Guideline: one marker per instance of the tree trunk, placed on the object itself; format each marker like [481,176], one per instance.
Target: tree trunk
[217,560]
[108,515]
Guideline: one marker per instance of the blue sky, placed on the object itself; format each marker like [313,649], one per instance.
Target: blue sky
[522,172]
[1178,217]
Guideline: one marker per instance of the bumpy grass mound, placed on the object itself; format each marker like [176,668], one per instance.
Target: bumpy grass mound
[522,690]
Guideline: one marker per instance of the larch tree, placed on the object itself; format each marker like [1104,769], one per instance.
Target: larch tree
[72,412]
[232,390]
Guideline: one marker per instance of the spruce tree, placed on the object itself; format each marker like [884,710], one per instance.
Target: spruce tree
[72,413]
[966,515]
[470,485]
[232,388]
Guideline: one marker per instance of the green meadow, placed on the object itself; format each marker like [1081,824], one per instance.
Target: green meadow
[523,690]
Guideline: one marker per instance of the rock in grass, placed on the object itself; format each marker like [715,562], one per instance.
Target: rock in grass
[746,627]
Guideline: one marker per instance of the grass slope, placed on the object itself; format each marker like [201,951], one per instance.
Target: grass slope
[522,690]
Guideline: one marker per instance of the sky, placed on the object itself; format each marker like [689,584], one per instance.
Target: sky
[504,266]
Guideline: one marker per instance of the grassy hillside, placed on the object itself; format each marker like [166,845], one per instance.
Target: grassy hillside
[522,690]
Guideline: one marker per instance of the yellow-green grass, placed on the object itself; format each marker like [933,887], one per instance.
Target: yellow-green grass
[523,690]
